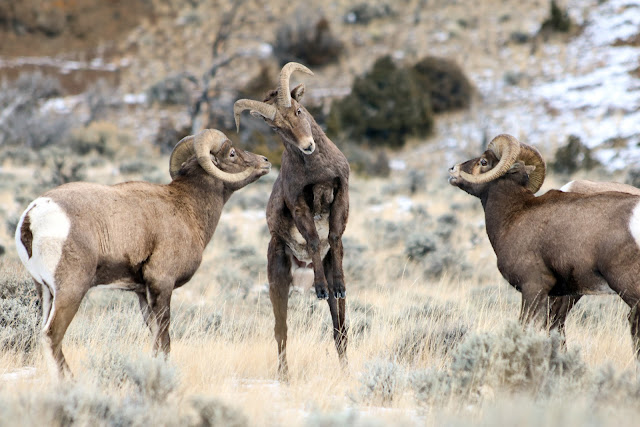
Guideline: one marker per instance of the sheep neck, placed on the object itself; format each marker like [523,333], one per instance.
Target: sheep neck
[202,199]
[502,202]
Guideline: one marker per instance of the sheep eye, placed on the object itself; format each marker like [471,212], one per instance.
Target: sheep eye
[298,111]
[483,162]
[232,153]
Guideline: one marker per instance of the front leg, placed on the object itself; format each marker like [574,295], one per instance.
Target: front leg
[536,304]
[337,225]
[303,219]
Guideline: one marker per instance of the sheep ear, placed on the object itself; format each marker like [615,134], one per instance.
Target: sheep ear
[529,168]
[298,92]
[516,167]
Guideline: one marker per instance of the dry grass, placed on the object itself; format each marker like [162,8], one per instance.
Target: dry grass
[402,328]
[406,330]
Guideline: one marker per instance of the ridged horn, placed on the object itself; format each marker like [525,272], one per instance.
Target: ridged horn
[531,157]
[284,94]
[268,111]
[202,145]
[506,148]
[180,154]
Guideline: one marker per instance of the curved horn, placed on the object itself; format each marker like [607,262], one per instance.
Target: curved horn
[506,148]
[268,111]
[284,95]
[530,156]
[202,145]
[180,154]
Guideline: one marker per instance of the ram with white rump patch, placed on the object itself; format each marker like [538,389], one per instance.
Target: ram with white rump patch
[557,247]
[138,236]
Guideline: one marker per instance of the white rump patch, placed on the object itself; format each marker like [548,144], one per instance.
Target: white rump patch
[567,187]
[50,227]
[634,224]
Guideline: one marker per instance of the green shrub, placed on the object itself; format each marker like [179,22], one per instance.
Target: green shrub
[558,19]
[444,81]
[385,107]
[307,37]
[573,156]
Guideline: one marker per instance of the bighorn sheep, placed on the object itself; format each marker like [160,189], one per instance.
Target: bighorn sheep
[137,236]
[307,211]
[556,245]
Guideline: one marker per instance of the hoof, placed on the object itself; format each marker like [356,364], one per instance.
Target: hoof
[340,294]
[322,293]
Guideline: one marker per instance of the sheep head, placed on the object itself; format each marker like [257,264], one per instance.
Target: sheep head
[215,153]
[505,157]
[283,112]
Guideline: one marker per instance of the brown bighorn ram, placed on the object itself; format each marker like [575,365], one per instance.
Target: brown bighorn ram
[557,247]
[307,211]
[137,236]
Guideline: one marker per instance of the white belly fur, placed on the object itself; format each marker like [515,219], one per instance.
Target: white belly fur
[298,244]
[302,277]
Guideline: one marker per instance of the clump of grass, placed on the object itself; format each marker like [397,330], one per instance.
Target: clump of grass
[515,359]
[19,313]
[154,377]
[195,322]
[381,382]
[214,412]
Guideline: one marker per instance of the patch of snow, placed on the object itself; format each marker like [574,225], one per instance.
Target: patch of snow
[397,164]
[62,105]
[20,373]
[404,203]
[135,98]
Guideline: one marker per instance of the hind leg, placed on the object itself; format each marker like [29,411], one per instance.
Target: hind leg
[624,284]
[44,296]
[64,305]
[279,272]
